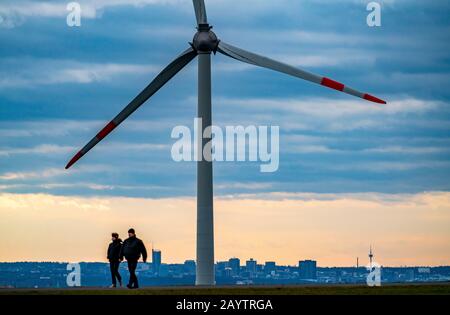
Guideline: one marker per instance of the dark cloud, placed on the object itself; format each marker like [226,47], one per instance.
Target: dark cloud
[58,86]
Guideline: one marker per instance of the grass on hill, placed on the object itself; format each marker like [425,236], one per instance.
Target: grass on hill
[412,289]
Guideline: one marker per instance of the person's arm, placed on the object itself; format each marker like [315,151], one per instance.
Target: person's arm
[121,251]
[144,252]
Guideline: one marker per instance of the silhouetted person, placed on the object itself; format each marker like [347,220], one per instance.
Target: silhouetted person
[114,250]
[132,249]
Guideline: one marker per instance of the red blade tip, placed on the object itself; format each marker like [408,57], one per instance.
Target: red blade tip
[74,160]
[374,99]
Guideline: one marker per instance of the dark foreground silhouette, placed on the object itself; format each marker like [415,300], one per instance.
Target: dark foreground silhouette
[412,289]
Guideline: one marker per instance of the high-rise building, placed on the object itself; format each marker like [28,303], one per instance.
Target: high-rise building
[251,266]
[189,267]
[220,267]
[227,272]
[156,261]
[235,265]
[307,269]
[269,267]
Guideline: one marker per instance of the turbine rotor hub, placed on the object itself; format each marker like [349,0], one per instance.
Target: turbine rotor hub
[205,40]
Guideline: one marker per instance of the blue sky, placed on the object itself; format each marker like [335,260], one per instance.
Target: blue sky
[60,85]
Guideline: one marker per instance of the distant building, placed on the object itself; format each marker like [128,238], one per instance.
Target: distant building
[227,272]
[307,269]
[220,267]
[156,261]
[251,267]
[235,265]
[189,267]
[259,268]
[269,267]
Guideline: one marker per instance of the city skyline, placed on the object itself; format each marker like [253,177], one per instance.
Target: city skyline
[53,275]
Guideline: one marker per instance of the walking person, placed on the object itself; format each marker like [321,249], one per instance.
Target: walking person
[114,249]
[132,249]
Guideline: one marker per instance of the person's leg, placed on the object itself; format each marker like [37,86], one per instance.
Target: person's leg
[113,273]
[132,269]
[119,278]
[136,284]
[135,280]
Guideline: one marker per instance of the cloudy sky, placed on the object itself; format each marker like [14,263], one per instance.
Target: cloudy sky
[352,173]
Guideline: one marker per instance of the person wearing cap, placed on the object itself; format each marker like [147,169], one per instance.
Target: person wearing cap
[132,249]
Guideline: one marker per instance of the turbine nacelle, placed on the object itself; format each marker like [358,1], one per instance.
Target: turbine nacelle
[205,40]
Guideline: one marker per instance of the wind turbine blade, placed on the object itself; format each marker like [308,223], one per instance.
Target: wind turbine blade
[254,59]
[163,77]
[200,11]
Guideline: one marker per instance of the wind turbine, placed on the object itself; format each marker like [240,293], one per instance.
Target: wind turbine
[204,43]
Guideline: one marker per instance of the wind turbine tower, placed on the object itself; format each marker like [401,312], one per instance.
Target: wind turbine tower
[204,44]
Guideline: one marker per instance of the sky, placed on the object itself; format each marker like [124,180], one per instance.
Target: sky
[351,173]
